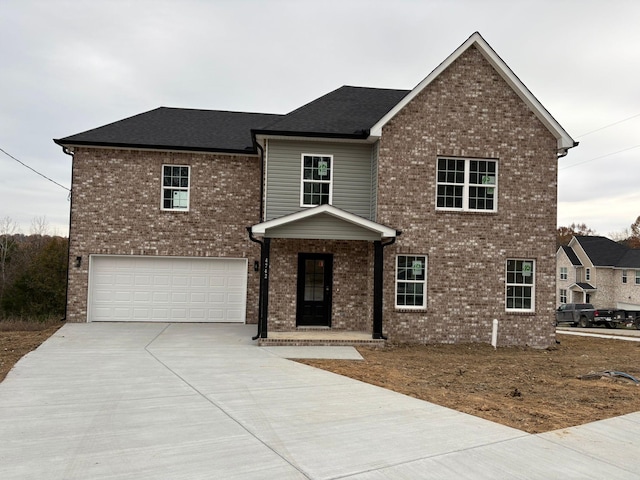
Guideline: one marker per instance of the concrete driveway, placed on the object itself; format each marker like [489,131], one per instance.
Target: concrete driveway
[184,401]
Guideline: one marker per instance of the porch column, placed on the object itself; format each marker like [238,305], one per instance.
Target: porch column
[378,270]
[263,313]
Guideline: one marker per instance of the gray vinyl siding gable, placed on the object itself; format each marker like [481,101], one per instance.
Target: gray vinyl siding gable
[374,180]
[351,172]
[323,227]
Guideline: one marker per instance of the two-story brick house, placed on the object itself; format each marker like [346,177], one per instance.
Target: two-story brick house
[420,215]
[597,270]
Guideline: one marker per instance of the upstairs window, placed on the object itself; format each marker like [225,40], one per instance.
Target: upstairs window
[317,184]
[624,276]
[175,187]
[637,277]
[564,274]
[467,185]
[587,274]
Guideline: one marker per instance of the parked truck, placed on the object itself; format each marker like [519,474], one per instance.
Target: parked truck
[584,315]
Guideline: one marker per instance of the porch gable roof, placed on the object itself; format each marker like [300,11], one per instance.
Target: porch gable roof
[303,217]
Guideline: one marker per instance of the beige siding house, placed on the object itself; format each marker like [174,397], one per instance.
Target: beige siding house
[416,215]
[599,271]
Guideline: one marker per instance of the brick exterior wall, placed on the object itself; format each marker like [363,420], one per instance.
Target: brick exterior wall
[470,112]
[352,301]
[116,210]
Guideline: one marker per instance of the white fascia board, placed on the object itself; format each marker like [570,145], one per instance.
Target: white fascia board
[564,139]
[261,228]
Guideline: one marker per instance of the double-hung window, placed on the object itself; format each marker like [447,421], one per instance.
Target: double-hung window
[637,277]
[467,184]
[624,276]
[563,295]
[317,183]
[175,187]
[587,274]
[411,281]
[520,295]
[564,274]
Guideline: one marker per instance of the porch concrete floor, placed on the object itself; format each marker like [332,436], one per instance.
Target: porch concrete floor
[319,337]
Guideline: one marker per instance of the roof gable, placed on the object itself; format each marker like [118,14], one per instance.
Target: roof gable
[604,252]
[380,230]
[564,140]
[177,129]
[571,255]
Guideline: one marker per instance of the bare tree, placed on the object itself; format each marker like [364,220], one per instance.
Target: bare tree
[39,226]
[634,238]
[8,229]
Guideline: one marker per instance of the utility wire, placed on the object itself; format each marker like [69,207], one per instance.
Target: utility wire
[598,158]
[33,170]
[610,125]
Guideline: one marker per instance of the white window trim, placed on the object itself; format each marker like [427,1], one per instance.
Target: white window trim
[637,277]
[624,276]
[162,189]
[532,285]
[563,294]
[466,185]
[564,273]
[302,179]
[424,282]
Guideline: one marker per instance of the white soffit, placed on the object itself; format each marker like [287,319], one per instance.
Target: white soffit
[564,139]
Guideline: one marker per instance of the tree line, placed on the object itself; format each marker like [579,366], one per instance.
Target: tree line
[33,272]
[629,236]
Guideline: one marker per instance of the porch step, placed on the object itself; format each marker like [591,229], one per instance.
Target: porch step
[319,338]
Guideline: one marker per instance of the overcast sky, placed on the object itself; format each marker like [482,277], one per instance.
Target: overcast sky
[69,66]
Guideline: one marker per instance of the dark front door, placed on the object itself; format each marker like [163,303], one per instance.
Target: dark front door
[315,278]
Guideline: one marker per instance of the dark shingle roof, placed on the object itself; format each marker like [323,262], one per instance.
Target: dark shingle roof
[179,129]
[345,112]
[573,258]
[604,252]
[631,259]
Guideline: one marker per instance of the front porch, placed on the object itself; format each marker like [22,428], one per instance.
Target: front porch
[320,337]
[321,278]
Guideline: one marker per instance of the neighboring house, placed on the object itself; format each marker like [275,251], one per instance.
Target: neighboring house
[418,215]
[599,271]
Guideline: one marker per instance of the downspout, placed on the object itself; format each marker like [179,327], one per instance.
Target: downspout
[378,285]
[69,152]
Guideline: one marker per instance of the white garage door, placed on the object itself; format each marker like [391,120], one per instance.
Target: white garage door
[153,289]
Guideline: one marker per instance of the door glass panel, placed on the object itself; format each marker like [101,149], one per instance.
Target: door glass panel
[314,281]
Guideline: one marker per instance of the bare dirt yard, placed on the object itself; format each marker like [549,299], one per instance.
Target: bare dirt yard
[19,338]
[528,389]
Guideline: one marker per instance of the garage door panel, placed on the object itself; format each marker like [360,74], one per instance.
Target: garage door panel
[160,297]
[143,280]
[167,289]
[161,280]
[142,297]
